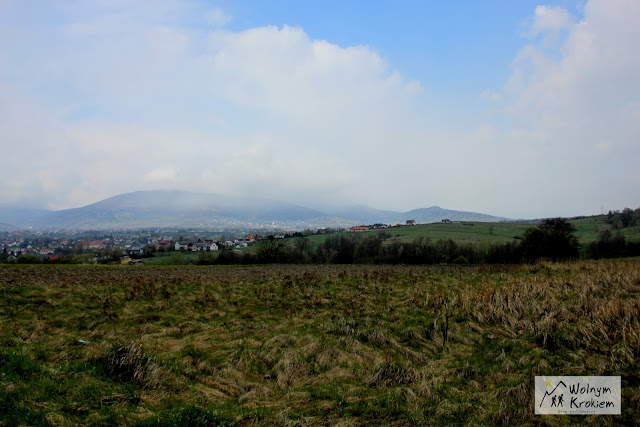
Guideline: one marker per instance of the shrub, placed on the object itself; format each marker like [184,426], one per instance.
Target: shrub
[461,260]
[28,259]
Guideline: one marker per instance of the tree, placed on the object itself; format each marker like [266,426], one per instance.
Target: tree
[626,217]
[302,245]
[608,245]
[552,239]
[369,247]
[271,250]
[149,250]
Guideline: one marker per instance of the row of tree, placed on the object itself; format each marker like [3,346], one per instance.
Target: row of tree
[623,219]
[553,239]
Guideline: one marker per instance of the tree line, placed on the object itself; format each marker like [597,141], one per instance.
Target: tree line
[623,219]
[553,239]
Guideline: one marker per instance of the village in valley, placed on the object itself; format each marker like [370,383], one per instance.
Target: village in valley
[127,246]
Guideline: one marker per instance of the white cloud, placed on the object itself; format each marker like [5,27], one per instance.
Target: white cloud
[217,17]
[264,111]
[167,42]
[550,19]
[413,88]
[581,92]
[490,95]
[282,70]
[162,174]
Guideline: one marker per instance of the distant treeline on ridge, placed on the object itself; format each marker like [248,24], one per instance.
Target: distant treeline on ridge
[553,239]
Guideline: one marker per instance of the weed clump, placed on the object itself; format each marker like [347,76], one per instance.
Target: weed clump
[393,374]
[129,363]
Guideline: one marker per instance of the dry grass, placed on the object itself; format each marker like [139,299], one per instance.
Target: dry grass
[296,345]
[129,363]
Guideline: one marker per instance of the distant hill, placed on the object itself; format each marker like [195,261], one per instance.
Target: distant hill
[182,208]
[368,215]
[23,217]
[436,213]
[364,214]
[179,208]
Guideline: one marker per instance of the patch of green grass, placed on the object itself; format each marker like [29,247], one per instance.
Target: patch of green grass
[16,410]
[14,365]
[188,416]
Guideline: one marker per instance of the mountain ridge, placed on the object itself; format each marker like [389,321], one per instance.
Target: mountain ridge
[176,208]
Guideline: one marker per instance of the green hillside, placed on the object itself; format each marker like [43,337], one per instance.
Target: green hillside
[464,232]
[494,232]
[590,228]
[588,231]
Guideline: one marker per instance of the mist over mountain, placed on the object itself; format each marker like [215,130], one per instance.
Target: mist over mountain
[436,213]
[5,227]
[12,217]
[176,208]
[366,214]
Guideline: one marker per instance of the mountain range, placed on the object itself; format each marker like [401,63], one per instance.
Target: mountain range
[176,208]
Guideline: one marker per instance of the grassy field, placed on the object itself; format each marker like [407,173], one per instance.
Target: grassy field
[462,232]
[467,232]
[589,230]
[171,258]
[311,345]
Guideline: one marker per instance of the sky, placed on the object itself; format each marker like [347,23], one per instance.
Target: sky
[521,109]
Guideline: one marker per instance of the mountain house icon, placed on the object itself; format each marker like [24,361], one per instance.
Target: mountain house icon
[555,400]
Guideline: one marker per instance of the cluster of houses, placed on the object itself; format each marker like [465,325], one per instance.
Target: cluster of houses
[136,244]
[17,244]
[200,246]
[214,245]
[360,228]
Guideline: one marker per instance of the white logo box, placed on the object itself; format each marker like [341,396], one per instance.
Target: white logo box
[558,395]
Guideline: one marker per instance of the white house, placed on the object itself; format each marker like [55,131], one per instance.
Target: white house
[205,246]
[183,246]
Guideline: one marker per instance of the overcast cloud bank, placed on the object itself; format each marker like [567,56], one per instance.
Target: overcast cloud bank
[103,98]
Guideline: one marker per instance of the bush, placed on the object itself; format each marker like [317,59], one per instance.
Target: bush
[28,259]
[552,239]
[83,259]
[608,246]
[461,260]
